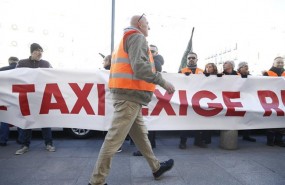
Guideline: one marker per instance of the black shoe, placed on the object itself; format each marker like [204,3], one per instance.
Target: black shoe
[270,143]
[104,184]
[137,153]
[3,144]
[182,146]
[280,143]
[164,167]
[250,139]
[201,144]
[119,150]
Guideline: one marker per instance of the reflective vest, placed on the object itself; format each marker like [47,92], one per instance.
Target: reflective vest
[271,73]
[187,70]
[121,73]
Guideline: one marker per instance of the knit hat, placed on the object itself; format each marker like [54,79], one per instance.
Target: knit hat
[232,62]
[35,46]
[241,64]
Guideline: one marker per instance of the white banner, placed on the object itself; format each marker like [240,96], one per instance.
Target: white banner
[35,98]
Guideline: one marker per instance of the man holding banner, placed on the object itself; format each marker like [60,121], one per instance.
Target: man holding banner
[200,135]
[132,82]
[274,136]
[35,61]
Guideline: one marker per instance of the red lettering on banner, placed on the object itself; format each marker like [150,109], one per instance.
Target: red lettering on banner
[82,101]
[47,105]
[227,96]
[215,108]
[262,95]
[183,103]
[145,111]
[163,103]
[23,90]
[2,107]
[283,96]
[101,99]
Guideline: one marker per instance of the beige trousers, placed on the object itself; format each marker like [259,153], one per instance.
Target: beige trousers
[127,119]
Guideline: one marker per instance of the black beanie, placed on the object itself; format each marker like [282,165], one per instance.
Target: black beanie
[35,46]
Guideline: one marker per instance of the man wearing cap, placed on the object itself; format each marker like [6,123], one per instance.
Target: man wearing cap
[35,61]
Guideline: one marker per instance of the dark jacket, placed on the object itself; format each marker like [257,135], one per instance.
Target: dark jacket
[276,70]
[158,62]
[33,63]
[11,66]
[232,73]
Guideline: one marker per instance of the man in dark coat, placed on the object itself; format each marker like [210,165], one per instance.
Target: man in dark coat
[35,61]
[4,129]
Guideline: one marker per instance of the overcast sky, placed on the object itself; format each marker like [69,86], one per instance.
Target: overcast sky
[218,25]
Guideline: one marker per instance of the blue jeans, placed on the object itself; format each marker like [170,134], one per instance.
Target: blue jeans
[27,136]
[4,133]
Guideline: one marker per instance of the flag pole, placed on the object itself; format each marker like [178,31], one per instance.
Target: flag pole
[188,49]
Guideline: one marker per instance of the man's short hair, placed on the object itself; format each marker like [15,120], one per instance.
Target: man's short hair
[153,47]
[13,59]
[231,62]
[278,58]
[191,52]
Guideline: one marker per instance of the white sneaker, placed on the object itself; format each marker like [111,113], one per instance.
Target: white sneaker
[50,148]
[22,150]
[119,150]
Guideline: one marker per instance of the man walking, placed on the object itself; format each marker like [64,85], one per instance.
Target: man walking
[132,82]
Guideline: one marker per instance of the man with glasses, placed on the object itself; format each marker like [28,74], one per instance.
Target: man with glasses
[35,61]
[201,138]
[132,82]
[158,59]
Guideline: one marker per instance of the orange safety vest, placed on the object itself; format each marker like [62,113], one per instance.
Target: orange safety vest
[187,70]
[121,73]
[271,73]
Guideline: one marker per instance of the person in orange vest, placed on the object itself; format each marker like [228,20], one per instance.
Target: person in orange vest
[191,65]
[199,135]
[274,136]
[132,82]
[158,63]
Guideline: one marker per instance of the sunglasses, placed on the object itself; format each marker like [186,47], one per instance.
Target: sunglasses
[191,58]
[141,17]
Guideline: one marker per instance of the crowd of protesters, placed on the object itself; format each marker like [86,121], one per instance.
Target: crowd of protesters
[201,137]
[126,98]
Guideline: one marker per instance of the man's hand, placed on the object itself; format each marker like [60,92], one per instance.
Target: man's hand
[168,87]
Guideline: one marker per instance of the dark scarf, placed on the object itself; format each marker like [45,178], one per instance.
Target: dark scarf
[276,70]
[192,68]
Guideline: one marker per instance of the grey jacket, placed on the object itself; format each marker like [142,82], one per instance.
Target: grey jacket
[137,48]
